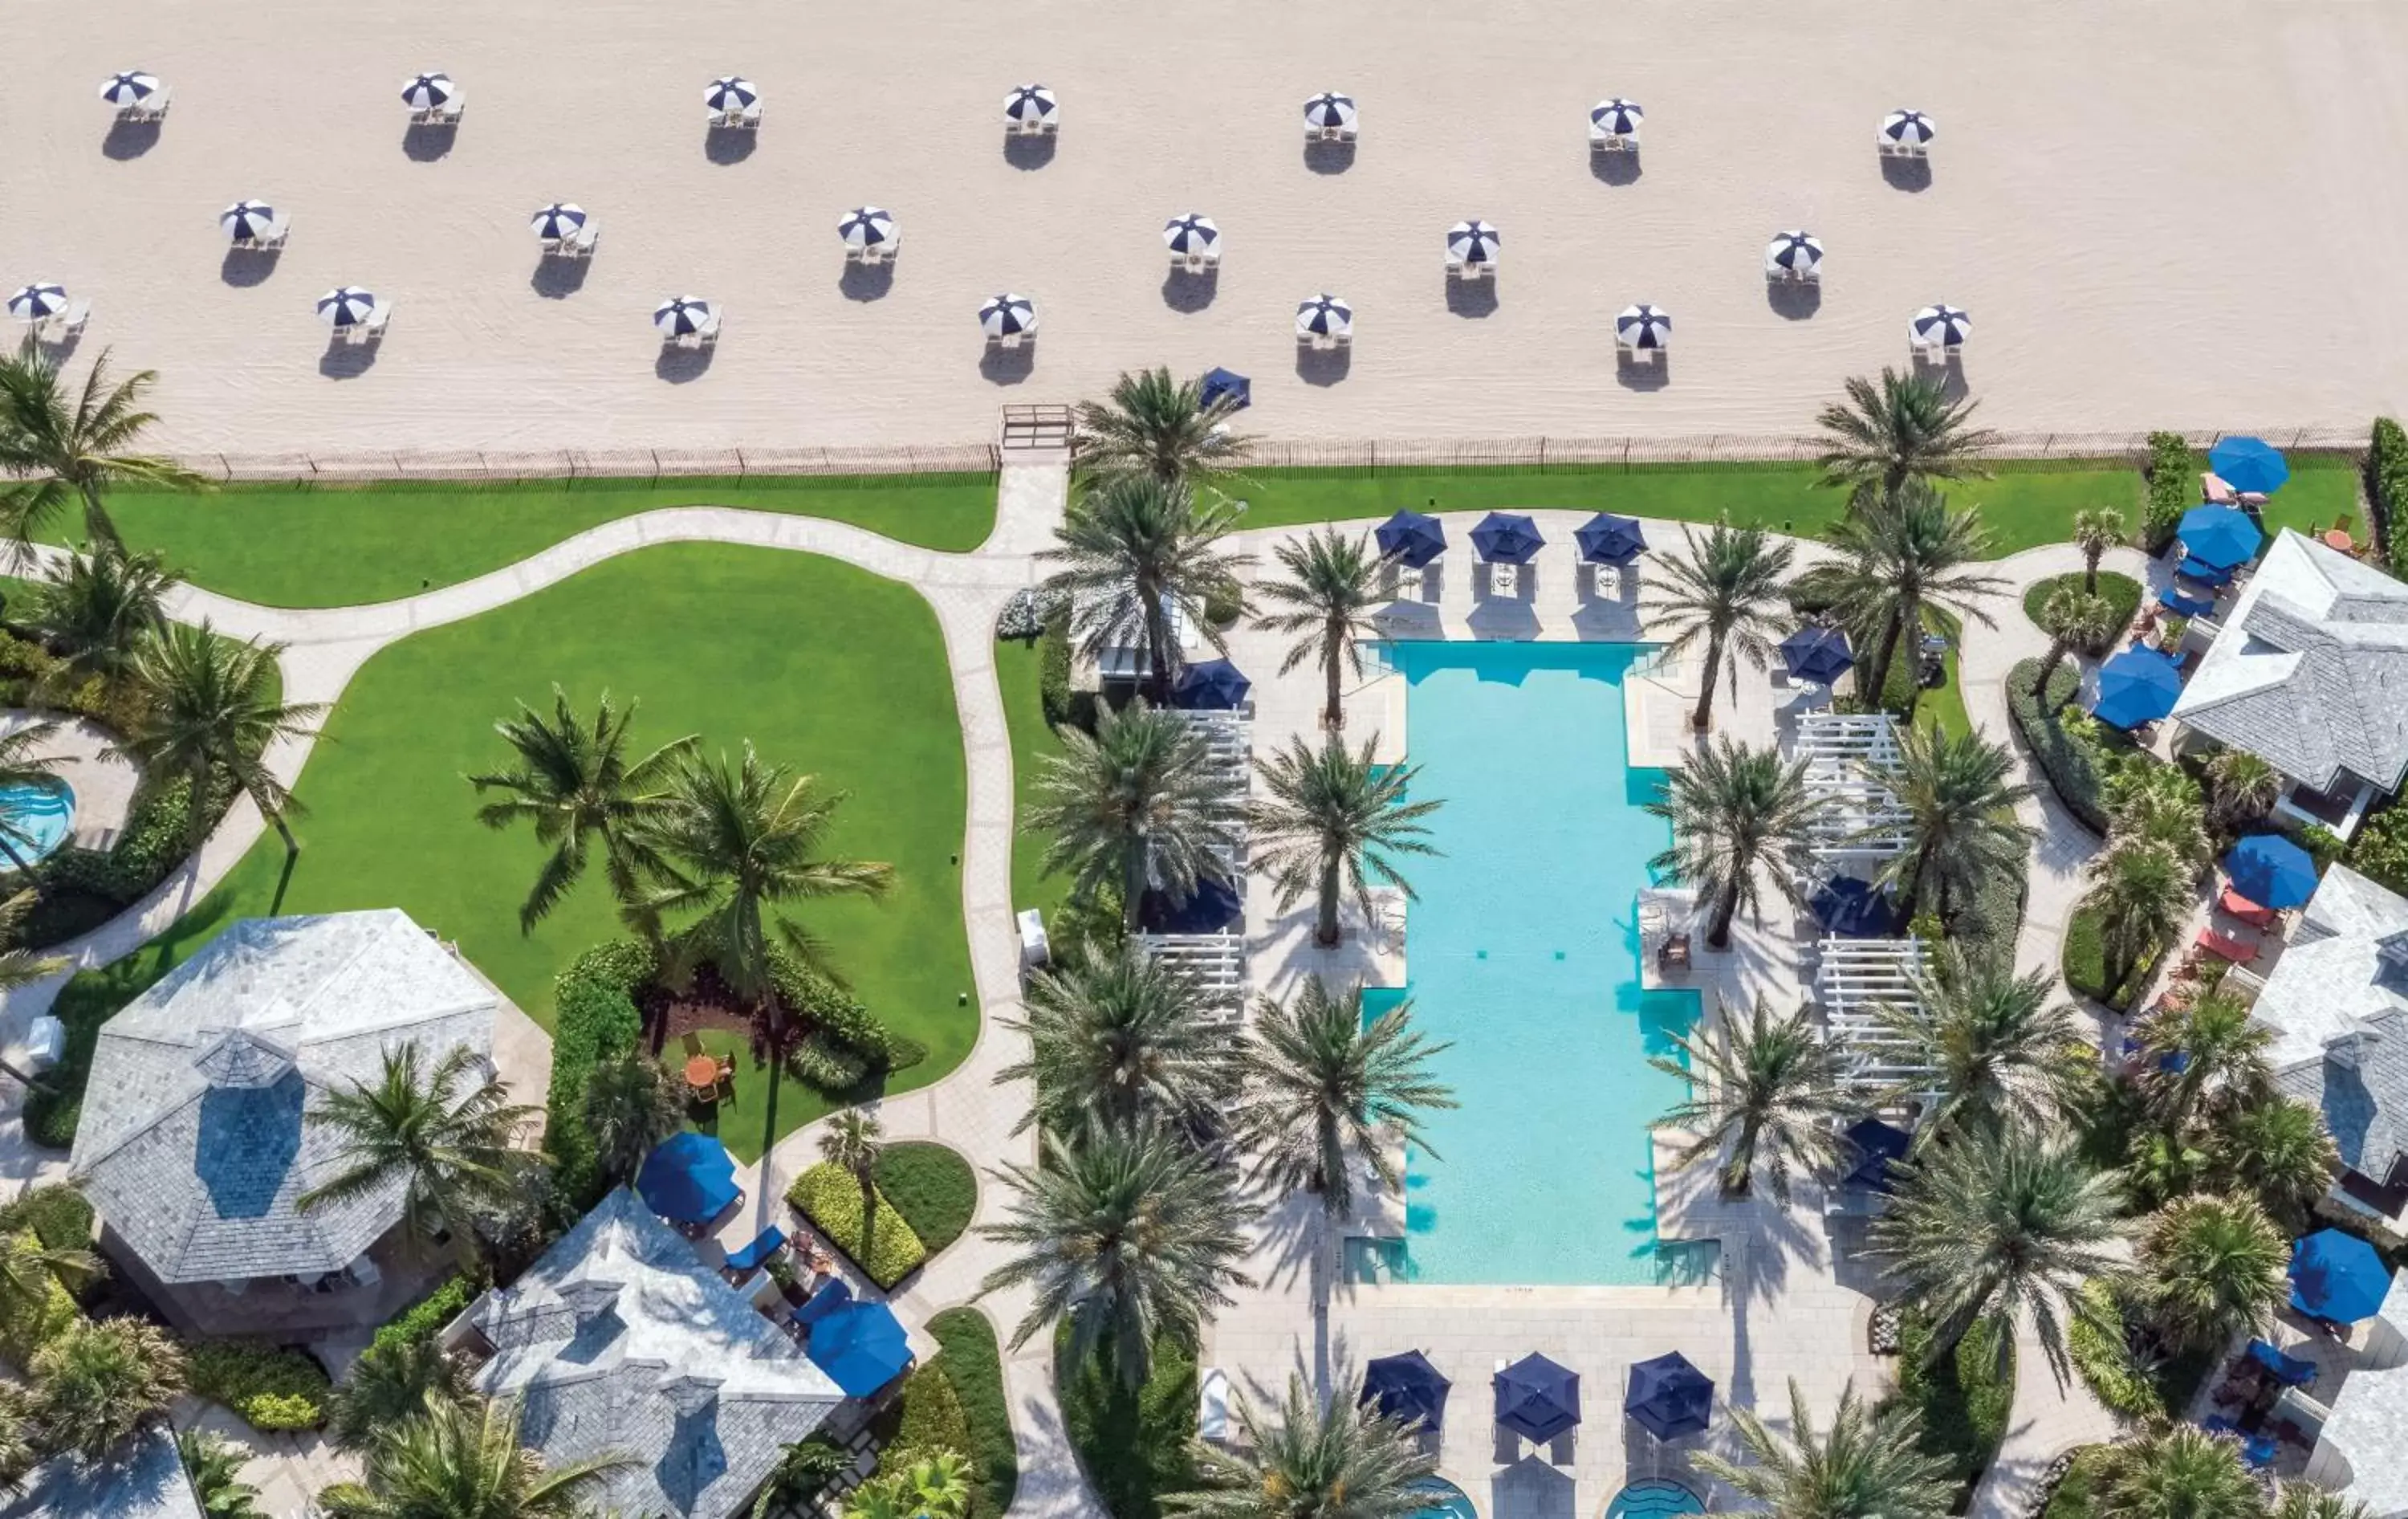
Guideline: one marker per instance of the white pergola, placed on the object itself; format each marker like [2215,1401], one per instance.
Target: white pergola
[1859,821]
[1854,978]
[1217,962]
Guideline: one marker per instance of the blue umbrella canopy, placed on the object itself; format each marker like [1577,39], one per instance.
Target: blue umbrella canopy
[689,1177]
[1411,538]
[2337,1276]
[1669,1397]
[1875,1146]
[1855,909]
[2219,537]
[1214,907]
[1406,1388]
[2137,686]
[1214,686]
[2250,464]
[1608,539]
[1220,382]
[861,1346]
[1507,537]
[1536,1397]
[2271,871]
[1817,655]
[826,1301]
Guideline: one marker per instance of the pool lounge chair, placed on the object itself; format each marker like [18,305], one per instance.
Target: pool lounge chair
[1213,1406]
[2246,911]
[2240,952]
[1674,953]
[2174,601]
[2213,490]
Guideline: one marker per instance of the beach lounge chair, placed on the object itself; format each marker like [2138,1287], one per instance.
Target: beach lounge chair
[71,320]
[1504,580]
[2246,910]
[2239,952]
[2213,490]
[2174,601]
[2290,1370]
[1213,1406]
[151,107]
[372,330]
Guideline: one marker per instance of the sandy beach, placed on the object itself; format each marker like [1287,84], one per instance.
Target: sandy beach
[2156,215]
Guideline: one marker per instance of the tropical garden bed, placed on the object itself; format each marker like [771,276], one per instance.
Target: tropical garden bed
[1132,1442]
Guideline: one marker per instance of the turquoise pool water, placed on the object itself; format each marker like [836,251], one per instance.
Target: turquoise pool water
[1652,1499]
[1446,1500]
[1522,951]
[37,817]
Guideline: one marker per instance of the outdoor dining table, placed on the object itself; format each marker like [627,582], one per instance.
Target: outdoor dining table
[2341,540]
[702,1073]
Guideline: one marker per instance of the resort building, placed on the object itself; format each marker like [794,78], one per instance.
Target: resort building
[194,1146]
[2336,1004]
[143,1480]
[2365,1429]
[2309,672]
[619,1339]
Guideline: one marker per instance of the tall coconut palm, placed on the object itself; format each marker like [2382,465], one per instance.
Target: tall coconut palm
[212,708]
[58,447]
[2096,530]
[1159,428]
[1327,1096]
[1133,549]
[1332,823]
[2242,788]
[2212,1269]
[441,1134]
[1900,429]
[2179,1471]
[1119,1036]
[2142,894]
[23,766]
[2158,803]
[2072,621]
[573,780]
[214,1464]
[1322,1459]
[1905,564]
[729,845]
[1738,815]
[1997,1043]
[466,1461]
[392,1382]
[1327,599]
[1126,1234]
[1999,1229]
[1140,802]
[632,1103]
[2208,1062]
[97,1381]
[2280,1151]
[1870,1464]
[100,608]
[1725,590]
[1762,1099]
[1959,795]
[851,1140]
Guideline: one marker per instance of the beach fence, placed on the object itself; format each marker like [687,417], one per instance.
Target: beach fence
[594,463]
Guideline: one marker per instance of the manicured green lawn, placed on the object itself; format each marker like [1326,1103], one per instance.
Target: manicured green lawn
[338,546]
[1033,741]
[826,669]
[932,1187]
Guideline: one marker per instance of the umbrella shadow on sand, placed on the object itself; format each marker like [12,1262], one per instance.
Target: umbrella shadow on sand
[865,282]
[1911,174]
[1323,366]
[1618,167]
[681,365]
[1793,300]
[1028,149]
[244,268]
[1473,298]
[1003,366]
[1323,156]
[346,360]
[427,141]
[726,145]
[1948,371]
[1189,290]
[1634,373]
[557,277]
[129,140]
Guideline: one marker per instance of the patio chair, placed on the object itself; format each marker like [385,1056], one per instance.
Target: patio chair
[2239,952]
[2246,911]
[692,1043]
[2214,491]
[1674,953]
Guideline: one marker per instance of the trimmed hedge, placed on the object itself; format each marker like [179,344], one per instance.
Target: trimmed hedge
[973,1363]
[2073,769]
[1054,691]
[933,1188]
[593,1017]
[2104,1364]
[2121,592]
[1963,1398]
[829,1199]
[846,1042]
[2172,491]
[2085,963]
[928,1421]
[272,1389]
[422,1319]
[1134,1445]
[2386,488]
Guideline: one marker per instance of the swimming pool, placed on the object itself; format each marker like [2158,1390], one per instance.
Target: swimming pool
[1522,951]
[1652,1499]
[1445,1499]
[37,817]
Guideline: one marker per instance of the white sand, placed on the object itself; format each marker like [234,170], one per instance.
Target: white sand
[2158,214]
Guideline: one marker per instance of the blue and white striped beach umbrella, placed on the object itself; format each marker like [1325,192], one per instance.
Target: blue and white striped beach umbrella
[559,220]
[1940,326]
[682,315]
[730,94]
[1799,253]
[428,91]
[1191,235]
[1643,327]
[38,302]
[1617,115]
[1473,242]
[1909,128]
[1329,111]
[131,88]
[1323,316]
[248,221]
[1029,104]
[866,226]
[1008,316]
[346,306]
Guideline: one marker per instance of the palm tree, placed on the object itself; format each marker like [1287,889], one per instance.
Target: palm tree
[730,845]
[631,1105]
[2179,1471]
[1133,549]
[1726,590]
[30,1270]
[851,1140]
[97,1381]
[1997,1043]
[2213,1268]
[1327,1094]
[454,1461]
[1140,802]
[21,768]
[445,1137]
[2096,530]
[1323,1458]
[210,706]
[2306,1500]
[1960,796]
[1737,813]
[1905,563]
[573,781]
[1870,1464]
[941,1484]
[2220,1065]
[59,449]
[2071,621]
[1761,1097]
[2001,1228]
[2141,894]
[1126,1234]
[2242,788]
[1904,429]
[1118,1037]
[1333,823]
[392,1383]
[2158,803]
[1332,584]
[20,1435]
[2280,1150]
[1158,428]
[101,608]
[213,1466]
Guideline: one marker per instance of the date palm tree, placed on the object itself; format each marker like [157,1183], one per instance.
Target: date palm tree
[57,448]
[851,1140]
[575,782]
[1117,1038]
[1738,814]
[2141,894]
[1327,1096]
[97,1381]
[210,707]
[392,1382]
[1998,1044]
[1870,1464]
[1899,429]
[214,1464]
[454,1461]
[442,1134]
[2280,1151]
[2096,530]
[23,767]
[2179,1471]
[1762,1098]
[1906,563]
[2219,1068]
[100,608]
[2001,1229]
[631,1105]
[1332,823]
[1331,587]
[2213,1268]
[1140,802]
[1726,591]
[2242,788]
[1959,795]
[1322,1459]
[1132,550]
[1124,1234]
[1158,428]
[2072,621]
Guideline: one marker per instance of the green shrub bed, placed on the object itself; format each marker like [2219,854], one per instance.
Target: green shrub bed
[2121,592]
[1132,1444]
[2096,1347]
[1964,1398]
[272,1389]
[422,1319]
[58,1215]
[829,1199]
[2173,489]
[595,1018]
[2085,963]
[972,1361]
[87,1001]
[2387,489]
[28,1322]
[933,1188]
[2077,1490]
[2074,767]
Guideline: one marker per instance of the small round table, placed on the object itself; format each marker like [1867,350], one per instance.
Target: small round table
[2339,539]
[702,1073]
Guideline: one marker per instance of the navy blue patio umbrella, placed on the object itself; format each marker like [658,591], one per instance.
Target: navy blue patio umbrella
[1855,909]
[1411,538]
[2219,537]
[1669,1397]
[1213,685]
[2271,871]
[2251,466]
[690,1177]
[2139,685]
[1213,908]
[1817,655]
[1229,383]
[2337,1276]
[1608,539]
[1537,1399]
[1876,1147]
[1406,1388]
[1507,537]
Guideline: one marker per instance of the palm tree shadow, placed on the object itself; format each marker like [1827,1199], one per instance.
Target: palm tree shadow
[284,880]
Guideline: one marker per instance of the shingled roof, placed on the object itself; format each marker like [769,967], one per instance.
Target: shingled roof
[2336,1004]
[192,1144]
